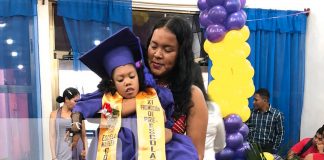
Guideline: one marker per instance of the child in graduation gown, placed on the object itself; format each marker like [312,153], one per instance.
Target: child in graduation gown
[134,142]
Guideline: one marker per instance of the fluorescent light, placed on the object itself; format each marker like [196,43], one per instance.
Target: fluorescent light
[9,41]
[14,54]
[2,24]
[96,42]
[20,66]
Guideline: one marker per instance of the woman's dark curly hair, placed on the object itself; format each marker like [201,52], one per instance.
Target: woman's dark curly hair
[180,78]
[107,85]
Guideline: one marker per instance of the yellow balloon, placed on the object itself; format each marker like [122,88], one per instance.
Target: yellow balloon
[245,32]
[241,50]
[240,102]
[268,156]
[245,113]
[233,36]
[243,69]
[207,46]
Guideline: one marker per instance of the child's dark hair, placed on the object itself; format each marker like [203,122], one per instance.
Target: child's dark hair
[107,85]
[68,93]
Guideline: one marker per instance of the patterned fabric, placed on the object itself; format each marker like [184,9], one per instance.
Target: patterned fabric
[266,128]
[179,125]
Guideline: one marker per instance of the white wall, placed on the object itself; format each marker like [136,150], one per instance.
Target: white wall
[46,72]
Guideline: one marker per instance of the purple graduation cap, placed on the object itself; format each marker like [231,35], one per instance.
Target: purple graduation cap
[119,49]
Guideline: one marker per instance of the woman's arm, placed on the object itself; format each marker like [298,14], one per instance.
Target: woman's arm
[52,134]
[84,141]
[197,121]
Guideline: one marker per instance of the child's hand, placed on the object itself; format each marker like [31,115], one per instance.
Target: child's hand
[168,135]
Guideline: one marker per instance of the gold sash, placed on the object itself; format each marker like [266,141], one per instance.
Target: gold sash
[150,127]
[109,129]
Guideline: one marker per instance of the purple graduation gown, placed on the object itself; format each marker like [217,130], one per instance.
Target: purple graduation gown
[180,147]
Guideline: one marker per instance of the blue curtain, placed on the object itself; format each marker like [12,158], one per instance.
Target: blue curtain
[278,57]
[10,8]
[87,21]
[20,107]
[17,51]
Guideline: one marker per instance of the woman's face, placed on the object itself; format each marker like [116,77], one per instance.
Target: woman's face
[126,81]
[70,103]
[162,51]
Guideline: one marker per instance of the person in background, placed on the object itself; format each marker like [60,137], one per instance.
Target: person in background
[61,144]
[320,147]
[215,138]
[170,58]
[306,146]
[265,123]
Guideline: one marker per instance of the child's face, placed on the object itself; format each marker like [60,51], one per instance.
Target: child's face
[126,81]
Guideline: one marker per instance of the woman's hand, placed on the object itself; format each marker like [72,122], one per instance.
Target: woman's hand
[83,154]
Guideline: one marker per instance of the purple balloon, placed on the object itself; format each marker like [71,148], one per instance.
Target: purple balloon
[225,154]
[246,144]
[232,5]
[202,5]
[212,3]
[235,21]
[234,140]
[243,2]
[203,19]
[239,159]
[244,130]
[240,152]
[215,33]
[233,123]
[217,14]
[243,13]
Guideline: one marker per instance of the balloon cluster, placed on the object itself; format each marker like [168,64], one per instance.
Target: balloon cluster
[220,16]
[236,136]
[227,48]
[232,84]
[232,73]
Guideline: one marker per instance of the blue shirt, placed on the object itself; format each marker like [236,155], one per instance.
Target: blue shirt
[266,127]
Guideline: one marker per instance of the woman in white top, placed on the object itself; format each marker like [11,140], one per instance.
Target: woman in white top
[215,136]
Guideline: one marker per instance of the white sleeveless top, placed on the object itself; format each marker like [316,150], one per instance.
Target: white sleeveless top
[215,137]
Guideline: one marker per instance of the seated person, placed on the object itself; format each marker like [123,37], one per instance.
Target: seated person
[320,147]
[301,149]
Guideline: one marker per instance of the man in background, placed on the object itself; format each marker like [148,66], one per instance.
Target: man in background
[265,123]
